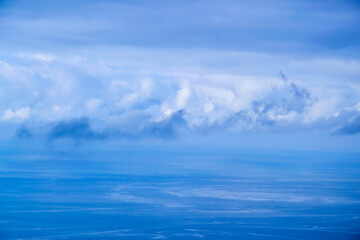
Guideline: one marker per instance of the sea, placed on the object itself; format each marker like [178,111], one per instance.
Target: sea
[147,192]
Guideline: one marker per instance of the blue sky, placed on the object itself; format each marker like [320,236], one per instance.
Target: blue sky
[253,72]
[172,119]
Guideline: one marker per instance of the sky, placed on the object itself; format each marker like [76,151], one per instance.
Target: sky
[255,74]
[168,119]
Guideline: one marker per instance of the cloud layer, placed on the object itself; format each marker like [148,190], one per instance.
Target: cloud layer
[89,97]
[85,74]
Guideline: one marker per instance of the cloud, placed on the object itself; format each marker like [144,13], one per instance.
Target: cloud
[348,120]
[351,127]
[168,128]
[140,93]
[20,114]
[80,129]
[168,105]
[279,107]
[74,129]
[41,57]
[23,133]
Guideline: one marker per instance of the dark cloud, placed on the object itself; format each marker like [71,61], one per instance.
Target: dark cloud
[352,127]
[168,128]
[23,133]
[301,98]
[294,97]
[80,129]
[74,129]
[348,122]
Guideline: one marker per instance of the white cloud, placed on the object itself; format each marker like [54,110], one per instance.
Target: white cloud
[44,57]
[143,92]
[17,115]
[182,96]
[39,57]
[323,108]
[139,92]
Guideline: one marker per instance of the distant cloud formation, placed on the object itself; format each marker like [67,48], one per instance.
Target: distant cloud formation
[80,129]
[350,120]
[134,75]
[74,129]
[141,102]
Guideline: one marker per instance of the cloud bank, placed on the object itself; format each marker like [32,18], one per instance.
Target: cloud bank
[88,75]
[81,97]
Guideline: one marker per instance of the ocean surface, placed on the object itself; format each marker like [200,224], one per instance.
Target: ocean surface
[156,193]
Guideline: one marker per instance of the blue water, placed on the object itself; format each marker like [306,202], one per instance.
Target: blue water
[172,194]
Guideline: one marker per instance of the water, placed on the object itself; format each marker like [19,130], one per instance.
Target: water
[171,194]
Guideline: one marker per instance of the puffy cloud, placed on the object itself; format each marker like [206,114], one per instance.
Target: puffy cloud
[136,99]
[138,93]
